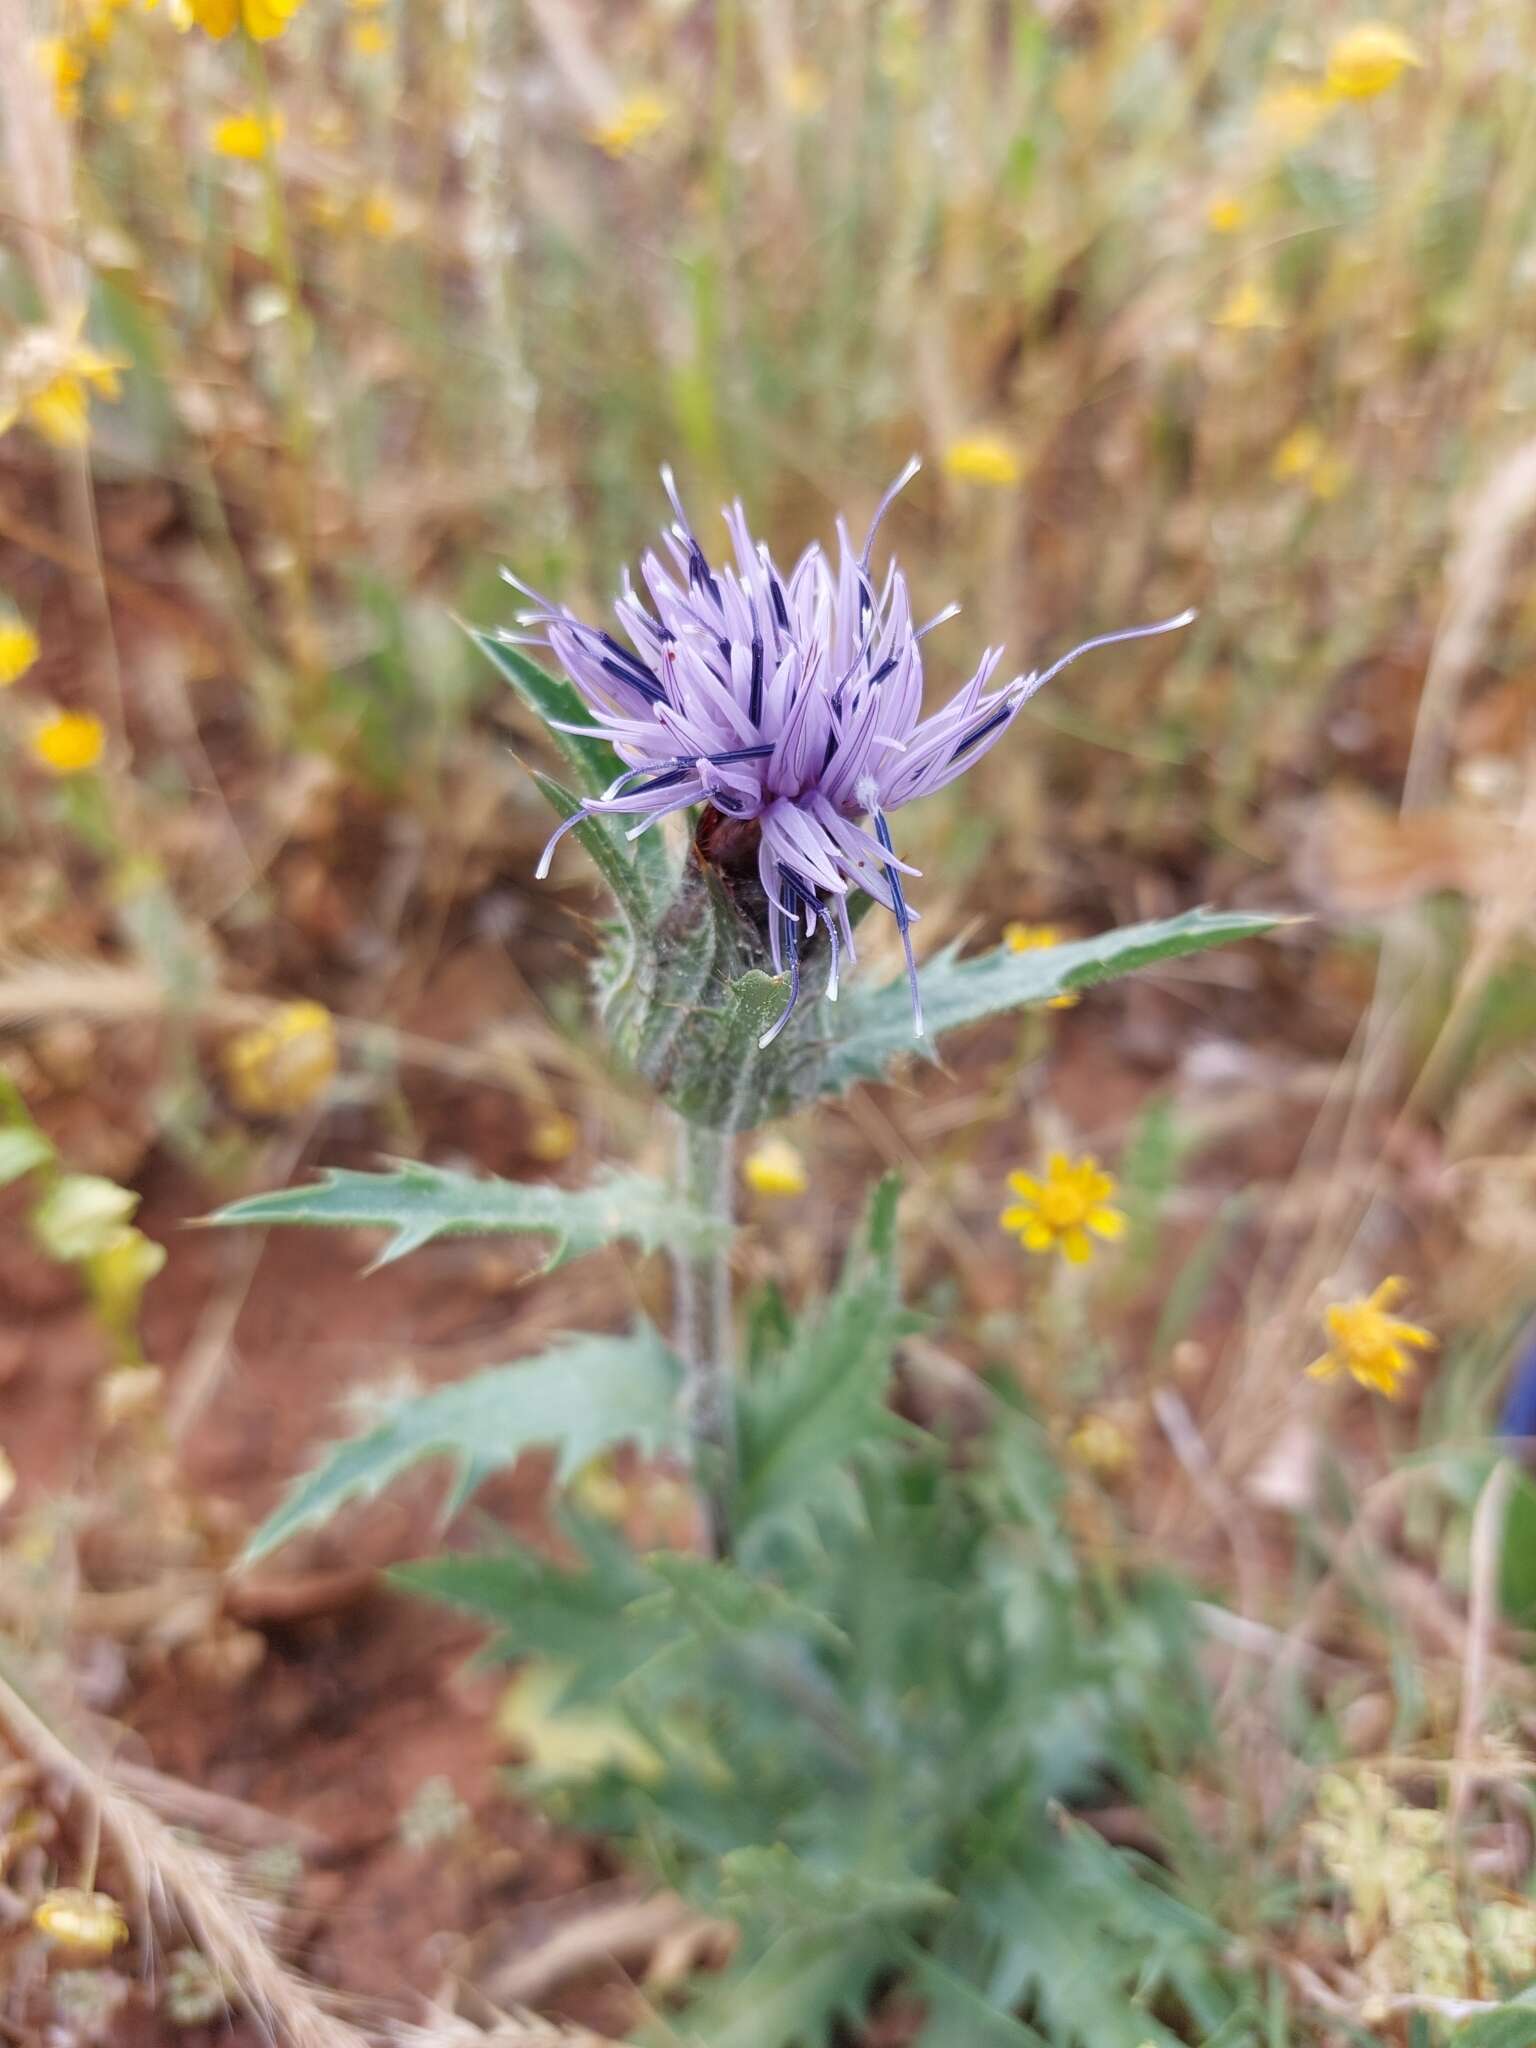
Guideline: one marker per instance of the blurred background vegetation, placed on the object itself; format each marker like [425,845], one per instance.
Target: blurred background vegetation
[314,312]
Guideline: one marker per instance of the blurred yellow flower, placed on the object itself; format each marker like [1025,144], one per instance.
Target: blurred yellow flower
[247,136]
[61,63]
[1101,1446]
[47,381]
[1368,1343]
[1247,306]
[261,20]
[1304,456]
[18,647]
[1292,114]
[805,90]
[7,1479]
[69,742]
[553,1137]
[1369,59]
[774,1167]
[90,1922]
[983,459]
[121,102]
[380,216]
[1226,213]
[285,1064]
[631,124]
[369,38]
[1057,1214]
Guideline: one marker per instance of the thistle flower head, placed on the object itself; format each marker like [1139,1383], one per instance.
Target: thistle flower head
[791,705]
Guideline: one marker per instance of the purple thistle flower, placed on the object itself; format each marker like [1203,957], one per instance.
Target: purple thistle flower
[792,702]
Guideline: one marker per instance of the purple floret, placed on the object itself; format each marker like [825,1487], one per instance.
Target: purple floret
[794,701]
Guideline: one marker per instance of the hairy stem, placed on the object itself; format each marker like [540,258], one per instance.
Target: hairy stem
[705,1335]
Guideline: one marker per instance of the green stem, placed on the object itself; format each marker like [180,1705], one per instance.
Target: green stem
[705,1330]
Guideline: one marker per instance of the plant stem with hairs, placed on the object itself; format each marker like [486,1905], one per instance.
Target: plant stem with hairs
[705,1334]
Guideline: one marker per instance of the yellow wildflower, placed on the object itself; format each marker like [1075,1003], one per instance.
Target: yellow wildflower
[61,63]
[369,39]
[47,380]
[983,459]
[69,742]
[1226,213]
[553,1137]
[1247,306]
[1304,456]
[282,1065]
[247,136]
[380,215]
[1368,1343]
[805,90]
[1101,1446]
[774,1167]
[631,124]
[1057,1214]
[1035,938]
[18,647]
[1369,59]
[7,1479]
[261,20]
[1292,114]
[91,1923]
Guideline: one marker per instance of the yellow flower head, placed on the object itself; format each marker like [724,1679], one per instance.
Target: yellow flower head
[282,1065]
[47,380]
[1056,1214]
[1368,1343]
[91,1923]
[553,1136]
[1249,305]
[62,63]
[631,124]
[380,216]
[247,136]
[774,1167]
[69,742]
[1304,456]
[261,20]
[18,647]
[1226,213]
[1101,1446]
[1369,59]
[983,459]
[369,38]
[805,90]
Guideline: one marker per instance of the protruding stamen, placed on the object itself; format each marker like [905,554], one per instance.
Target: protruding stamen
[903,919]
[914,464]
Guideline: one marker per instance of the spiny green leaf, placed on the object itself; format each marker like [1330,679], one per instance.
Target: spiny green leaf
[713,1600]
[791,1997]
[582,1398]
[772,1883]
[827,1397]
[417,1203]
[595,763]
[876,1026]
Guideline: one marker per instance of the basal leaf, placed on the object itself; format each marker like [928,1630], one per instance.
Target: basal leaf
[876,1025]
[418,1203]
[580,1399]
